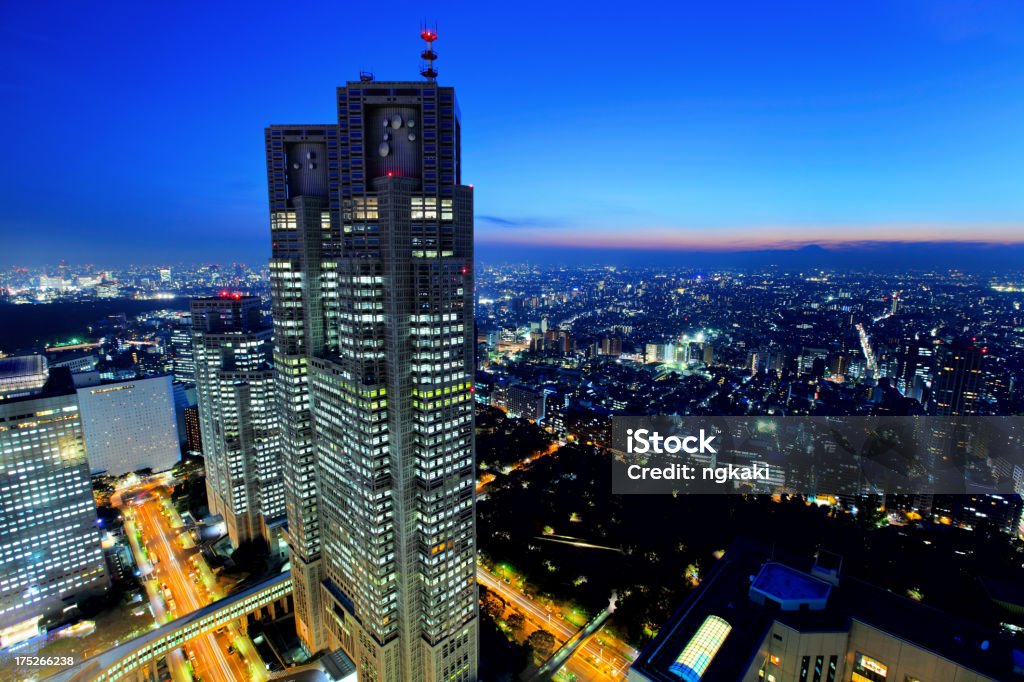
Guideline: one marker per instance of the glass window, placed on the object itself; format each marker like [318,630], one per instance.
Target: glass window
[867,669]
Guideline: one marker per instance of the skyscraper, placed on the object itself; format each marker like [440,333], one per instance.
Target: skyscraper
[193,431]
[183,360]
[50,555]
[958,379]
[372,281]
[238,415]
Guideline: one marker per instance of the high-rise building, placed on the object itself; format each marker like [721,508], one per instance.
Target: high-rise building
[372,282]
[958,382]
[611,345]
[526,402]
[184,363]
[130,425]
[193,432]
[238,415]
[50,555]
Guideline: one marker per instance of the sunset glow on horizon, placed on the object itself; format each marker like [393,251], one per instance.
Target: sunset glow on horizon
[767,237]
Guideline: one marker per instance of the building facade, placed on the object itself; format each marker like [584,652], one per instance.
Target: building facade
[238,415]
[959,379]
[183,361]
[130,425]
[372,281]
[50,554]
[193,431]
[762,615]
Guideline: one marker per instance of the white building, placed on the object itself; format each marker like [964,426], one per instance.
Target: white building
[130,425]
[50,555]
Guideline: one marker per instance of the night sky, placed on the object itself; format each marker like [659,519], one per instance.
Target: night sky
[134,132]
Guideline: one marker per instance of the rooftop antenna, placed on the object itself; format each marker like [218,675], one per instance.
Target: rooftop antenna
[427,69]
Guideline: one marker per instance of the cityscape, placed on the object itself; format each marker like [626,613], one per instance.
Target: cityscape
[390,445]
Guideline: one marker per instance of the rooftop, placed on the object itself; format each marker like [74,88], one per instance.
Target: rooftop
[748,564]
[783,583]
[22,366]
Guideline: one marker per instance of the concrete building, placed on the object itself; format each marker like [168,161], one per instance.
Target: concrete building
[372,281]
[526,402]
[50,554]
[130,425]
[238,416]
[761,617]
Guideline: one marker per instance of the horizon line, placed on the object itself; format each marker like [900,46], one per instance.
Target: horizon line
[637,242]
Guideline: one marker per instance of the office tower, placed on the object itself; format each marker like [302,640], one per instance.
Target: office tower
[525,402]
[130,425]
[184,397]
[611,345]
[50,555]
[193,432]
[372,281]
[958,382]
[184,364]
[238,415]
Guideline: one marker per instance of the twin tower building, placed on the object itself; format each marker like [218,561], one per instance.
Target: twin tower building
[363,393]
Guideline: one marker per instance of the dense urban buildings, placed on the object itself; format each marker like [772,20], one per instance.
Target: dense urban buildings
[372,281]
[238,415]
[50,555]
[130,425]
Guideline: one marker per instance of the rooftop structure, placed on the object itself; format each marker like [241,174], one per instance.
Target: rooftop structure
[22,375]
[761,616]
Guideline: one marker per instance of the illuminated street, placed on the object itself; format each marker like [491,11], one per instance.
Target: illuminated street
[180,582]
[592,660]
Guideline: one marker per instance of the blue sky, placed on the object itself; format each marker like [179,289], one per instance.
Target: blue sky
[134,132]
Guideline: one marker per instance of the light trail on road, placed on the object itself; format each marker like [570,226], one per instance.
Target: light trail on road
[211,662]
[562,629]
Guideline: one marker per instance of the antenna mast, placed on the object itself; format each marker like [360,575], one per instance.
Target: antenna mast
[427,69]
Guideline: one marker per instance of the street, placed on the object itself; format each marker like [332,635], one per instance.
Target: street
[592,661]
[178,582]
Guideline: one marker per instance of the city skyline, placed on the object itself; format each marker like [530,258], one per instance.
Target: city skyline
[587,343]
[741,131]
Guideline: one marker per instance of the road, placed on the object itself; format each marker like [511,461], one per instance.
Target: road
[180,573]
[591,661]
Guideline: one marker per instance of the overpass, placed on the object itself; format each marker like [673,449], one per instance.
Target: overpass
[137,658]
[565,652]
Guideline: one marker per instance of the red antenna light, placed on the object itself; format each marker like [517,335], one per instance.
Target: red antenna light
[427,70]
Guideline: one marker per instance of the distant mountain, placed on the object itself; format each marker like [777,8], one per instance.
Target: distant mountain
[872,255]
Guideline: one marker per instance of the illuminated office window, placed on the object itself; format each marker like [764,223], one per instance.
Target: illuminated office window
[867,669]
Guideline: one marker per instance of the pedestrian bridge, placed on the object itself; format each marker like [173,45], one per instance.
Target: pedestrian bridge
[137,659]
